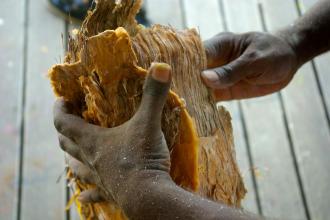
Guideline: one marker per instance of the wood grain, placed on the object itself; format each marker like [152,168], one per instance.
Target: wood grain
[267,136]
[307,122]
[43,162]
[11,62]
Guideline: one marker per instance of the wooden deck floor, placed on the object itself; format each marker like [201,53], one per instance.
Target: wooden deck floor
[282,140]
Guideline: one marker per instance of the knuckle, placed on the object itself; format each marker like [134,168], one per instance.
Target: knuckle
[253,55]
[253,35]
[214,44]
[225,37]
[225,34]
[156,89]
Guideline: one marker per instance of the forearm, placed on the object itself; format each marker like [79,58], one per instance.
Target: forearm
[158,197]
[310,35]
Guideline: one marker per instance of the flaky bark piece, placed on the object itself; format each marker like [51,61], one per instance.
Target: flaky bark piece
[111,82]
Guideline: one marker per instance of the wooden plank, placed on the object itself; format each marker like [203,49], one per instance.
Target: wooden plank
[43,197]
[242,16]
[11,62]
[276,178]
[275,174]
[167,12]
[322,67]
[197,14]
[307,122]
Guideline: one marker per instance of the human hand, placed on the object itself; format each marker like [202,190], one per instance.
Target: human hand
[248,65]
[83,173]
[117,157]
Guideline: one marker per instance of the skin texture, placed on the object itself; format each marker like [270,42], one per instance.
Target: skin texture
[134,171]
[255,64]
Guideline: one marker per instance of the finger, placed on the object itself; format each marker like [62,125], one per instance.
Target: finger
[244,90]
[156,88]
[92,196]
[81,171]
[228,75]
[70,125]
[69,146]
[220,49]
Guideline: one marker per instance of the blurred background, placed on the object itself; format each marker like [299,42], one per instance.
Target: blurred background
[282,140]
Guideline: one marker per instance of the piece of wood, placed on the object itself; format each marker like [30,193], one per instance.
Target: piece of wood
[197,14]
[266,133]
[43,162]
[11,62]
[307,122]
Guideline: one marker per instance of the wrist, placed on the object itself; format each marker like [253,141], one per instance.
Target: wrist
[295,38]
[139,186]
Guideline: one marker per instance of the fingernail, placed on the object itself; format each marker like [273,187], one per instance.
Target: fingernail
[210,78]
[161,72]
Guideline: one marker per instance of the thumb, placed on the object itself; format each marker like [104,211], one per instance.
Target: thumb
[155,91]
[227,75]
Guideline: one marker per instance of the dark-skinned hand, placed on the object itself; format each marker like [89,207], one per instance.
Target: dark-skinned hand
[84,174]
[116,158]
[248,65]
